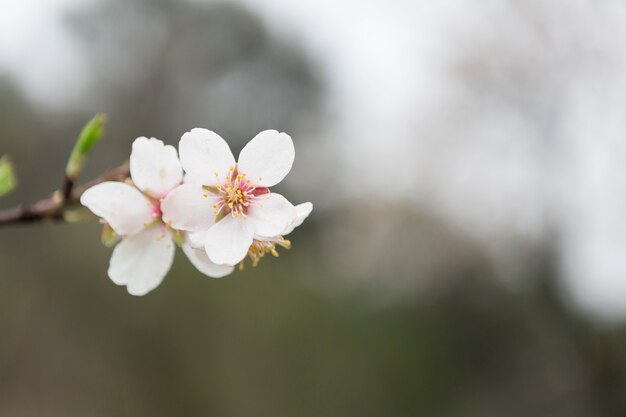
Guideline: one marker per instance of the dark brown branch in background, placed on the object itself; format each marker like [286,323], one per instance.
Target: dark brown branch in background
[54,207]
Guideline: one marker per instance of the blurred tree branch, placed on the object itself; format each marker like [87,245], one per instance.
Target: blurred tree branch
[55,207]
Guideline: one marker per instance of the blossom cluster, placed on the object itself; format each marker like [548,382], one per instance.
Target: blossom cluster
[218,210]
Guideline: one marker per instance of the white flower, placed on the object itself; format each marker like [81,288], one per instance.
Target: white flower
[231,201]
[146,252]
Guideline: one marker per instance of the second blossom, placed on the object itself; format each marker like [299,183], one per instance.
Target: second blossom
[230,200]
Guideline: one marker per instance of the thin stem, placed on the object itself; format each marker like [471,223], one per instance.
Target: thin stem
[67,187]
[54,207]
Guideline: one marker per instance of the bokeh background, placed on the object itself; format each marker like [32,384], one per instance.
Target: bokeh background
[467,251]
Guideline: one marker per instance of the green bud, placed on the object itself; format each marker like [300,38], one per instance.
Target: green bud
[7,176]
[89,136]
[109,237]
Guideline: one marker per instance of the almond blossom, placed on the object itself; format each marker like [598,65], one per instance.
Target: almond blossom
[133,211]
[229,200]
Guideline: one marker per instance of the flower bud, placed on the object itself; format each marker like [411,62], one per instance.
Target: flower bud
[89,136]
[7,176]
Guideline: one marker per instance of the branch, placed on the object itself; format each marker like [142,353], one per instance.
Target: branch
[54,207]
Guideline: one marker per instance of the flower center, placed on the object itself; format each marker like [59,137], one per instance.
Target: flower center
[156,209]
[235,195]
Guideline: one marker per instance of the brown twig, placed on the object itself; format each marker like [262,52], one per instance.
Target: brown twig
[67,187]
[54,207]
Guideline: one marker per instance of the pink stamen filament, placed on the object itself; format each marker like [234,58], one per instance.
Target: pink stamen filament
[236,195]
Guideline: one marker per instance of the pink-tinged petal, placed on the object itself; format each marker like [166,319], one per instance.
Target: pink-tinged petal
[154,167]
[302,212]
[201,261]
[196,239]
[189,207]
[271,214]
[204,153]
[121,205]
[228,241]
[141,261]
[267,158]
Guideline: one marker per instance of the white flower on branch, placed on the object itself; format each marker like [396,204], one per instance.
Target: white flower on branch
[229,200]
[133,211]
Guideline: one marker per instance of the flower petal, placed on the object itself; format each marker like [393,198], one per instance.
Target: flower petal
[228,241]
[201,261]
[267,158]
[271,214]
[204,153]
[189,207]
[141,261]
[122,206]
[154,167]
[196,239]
[302,212]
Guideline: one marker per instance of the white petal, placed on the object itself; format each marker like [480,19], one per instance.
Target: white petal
[204,153]
[141,261]
[271,214]
[121,205]
[154,167]
[228,241]
[201,261]
[267,158]
[189,207]
[196,239]
[302,212]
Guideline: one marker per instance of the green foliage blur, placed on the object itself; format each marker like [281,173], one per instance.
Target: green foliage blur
[427,329]
[7,176]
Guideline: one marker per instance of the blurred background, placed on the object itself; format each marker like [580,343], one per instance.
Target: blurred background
[467,251]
